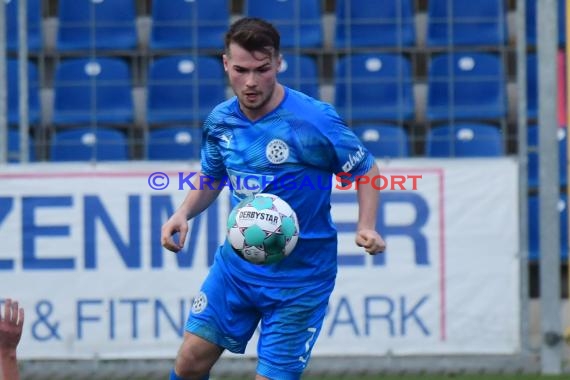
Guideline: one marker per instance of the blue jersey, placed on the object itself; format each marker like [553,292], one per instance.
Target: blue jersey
[292,152]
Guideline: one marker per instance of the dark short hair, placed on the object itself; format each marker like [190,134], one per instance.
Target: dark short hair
[254,34]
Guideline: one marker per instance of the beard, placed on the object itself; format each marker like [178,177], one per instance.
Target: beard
[261,100]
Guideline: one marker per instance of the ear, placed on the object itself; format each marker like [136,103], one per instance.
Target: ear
[225,62]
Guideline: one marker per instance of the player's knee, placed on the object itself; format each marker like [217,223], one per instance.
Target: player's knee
[191,367]
[188,368]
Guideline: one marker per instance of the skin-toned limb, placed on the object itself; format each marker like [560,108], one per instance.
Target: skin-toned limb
[195,202]
[368,201]
[11,324]
[196,357]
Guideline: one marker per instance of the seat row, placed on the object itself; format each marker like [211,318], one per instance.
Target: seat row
[183,24]
[183,143]
[464,139]
[110,144]
[367,88]
[467,139]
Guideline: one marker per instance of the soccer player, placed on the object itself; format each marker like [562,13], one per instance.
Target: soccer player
[11,324]
[284,139]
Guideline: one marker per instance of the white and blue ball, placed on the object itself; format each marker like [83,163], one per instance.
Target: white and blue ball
[263,229]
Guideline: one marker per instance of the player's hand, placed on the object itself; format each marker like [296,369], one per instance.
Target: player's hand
[371,241]
[176,224]
[11,323]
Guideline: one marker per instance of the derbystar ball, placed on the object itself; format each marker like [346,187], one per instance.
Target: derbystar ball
[263,229]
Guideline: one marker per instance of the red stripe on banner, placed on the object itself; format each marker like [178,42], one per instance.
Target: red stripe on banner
[442,305]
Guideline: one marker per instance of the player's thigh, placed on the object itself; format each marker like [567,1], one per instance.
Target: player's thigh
[196,354]
[223,313]
[290,330]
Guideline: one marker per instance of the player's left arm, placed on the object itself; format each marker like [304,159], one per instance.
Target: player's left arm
[368,202]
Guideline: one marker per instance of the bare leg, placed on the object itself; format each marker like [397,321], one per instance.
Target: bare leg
[196,357]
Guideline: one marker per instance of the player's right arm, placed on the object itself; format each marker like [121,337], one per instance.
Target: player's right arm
[195,202]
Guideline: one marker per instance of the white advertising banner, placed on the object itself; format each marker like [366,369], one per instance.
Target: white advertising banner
[80,248]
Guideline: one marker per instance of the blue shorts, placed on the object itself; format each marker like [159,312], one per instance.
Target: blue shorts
[227,312]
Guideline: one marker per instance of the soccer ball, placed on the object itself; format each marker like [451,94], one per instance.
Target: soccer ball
[263,229]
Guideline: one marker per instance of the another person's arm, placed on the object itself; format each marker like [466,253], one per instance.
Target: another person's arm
[11,323]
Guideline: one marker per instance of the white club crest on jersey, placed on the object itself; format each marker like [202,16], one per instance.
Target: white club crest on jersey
[277,151]
[200,302]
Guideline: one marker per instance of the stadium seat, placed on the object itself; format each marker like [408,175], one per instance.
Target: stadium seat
[174,143]
[299,25]
[464,140]
[34,20]
[478,84]
[86,144]
[374,87]
[384,140]
[183,24]
[14,147]
[13,77]
[184,89]
[532,143]
[362,23]
[530,10]
[300,73]
[96,24]
[93,90]
[474,23]
[534,227]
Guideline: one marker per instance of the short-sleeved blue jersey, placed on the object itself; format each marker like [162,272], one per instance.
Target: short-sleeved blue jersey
[292,152]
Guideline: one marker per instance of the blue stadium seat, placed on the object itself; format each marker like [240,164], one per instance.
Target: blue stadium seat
[384,140]
[184,89]
[530,10]
[299,25]
[14,146]
[532,143]
[478,83]
[86,144]
[363,23]
[300,73]
[13,77]
[534,227]
[174,143]
[373,87]
[464,140]
[101,25]
[532,86]
[183,24]
[34,20]
[93,90]
[474,23]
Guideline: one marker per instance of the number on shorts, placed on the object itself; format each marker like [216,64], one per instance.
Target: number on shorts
[313,331]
